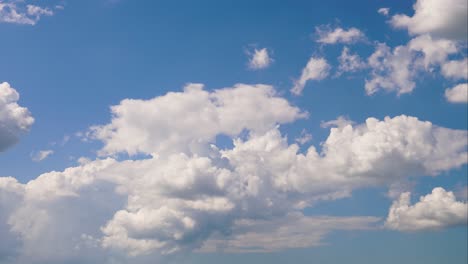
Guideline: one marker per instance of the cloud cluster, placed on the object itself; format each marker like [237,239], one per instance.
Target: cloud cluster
[14,119]
[19,12]
[190,194]
[395,69]
[434,211]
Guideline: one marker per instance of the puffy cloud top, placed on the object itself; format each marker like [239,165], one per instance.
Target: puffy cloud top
[436,210]
[440,18]
[14,119]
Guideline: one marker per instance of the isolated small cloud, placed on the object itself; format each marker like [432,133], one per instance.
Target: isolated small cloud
[316,69]
[437,210]
[457,94]
[326,35]
[260,59]
[340,122]
[440,18]
[42,155]
[384,11]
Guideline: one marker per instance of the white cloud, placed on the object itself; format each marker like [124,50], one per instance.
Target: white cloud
[42,155]
[205,114]
[340,122]
[350,62]
[457,94]
[457,69]
[178,197]
[384,11]
[437,210]
[316,69]
[260,59]
[440,18]
[19,12]
[339,35]
[395,70]
[14,119]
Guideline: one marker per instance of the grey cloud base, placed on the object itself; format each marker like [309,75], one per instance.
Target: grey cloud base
[191,195]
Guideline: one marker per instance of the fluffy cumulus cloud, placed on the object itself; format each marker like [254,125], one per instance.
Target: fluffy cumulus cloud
[327,35]
[316,69]
[434,211]
[457,94]
[440,18]
[21,12]
[456,69]
[260,59]
[395,69]
[14,119]
[205,114]
[190,194]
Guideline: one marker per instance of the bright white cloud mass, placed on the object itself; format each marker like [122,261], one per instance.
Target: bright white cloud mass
[189,193]
[221,170]
[445,19]
[436,210]
[14,119]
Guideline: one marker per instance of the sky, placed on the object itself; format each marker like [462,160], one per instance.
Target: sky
[233,131]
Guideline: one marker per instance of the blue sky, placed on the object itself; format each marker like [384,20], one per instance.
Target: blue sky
[70,61]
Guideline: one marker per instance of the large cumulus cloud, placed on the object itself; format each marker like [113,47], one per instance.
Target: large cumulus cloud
[189,194]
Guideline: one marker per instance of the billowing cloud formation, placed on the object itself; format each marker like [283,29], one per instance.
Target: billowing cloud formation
[316,69]
[457,94]
[205,114]
[260,59]
[18,12]
[14,119]
[181,198]
[440,18]
[434,211]
[328,36]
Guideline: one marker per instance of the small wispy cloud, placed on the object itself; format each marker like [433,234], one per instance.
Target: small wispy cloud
[41,155]
[327,35]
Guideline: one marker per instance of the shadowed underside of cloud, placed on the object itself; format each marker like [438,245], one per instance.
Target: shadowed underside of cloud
[191,195]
